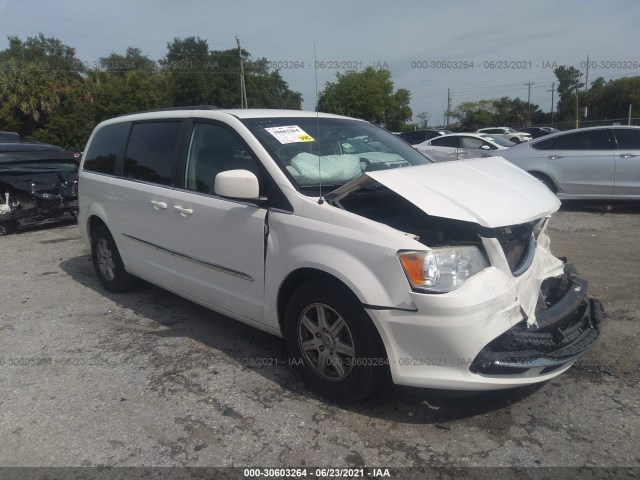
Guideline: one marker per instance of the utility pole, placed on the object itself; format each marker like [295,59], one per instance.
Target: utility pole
[528,84]
[586,90]
[243,89]
[577,110]
[553,87]
[448,105]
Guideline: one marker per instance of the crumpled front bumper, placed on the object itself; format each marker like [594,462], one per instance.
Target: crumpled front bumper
[568,324]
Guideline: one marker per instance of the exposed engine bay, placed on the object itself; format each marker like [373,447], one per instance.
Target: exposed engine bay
[387,207]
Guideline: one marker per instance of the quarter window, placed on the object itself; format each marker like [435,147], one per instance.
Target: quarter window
[153,151]
[107,145]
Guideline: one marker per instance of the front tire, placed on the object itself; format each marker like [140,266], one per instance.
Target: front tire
[515,140]
[333,341]
[108,263]
[546,180]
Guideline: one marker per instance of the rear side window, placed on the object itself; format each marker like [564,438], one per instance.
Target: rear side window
[152,152]
[628,138]
[589,140]
[107,145]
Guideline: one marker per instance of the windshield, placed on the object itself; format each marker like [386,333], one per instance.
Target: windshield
[328,151]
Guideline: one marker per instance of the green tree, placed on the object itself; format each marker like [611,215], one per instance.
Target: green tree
[38,75]
[496,112]
[569,85]
[132,61]
[196,75]
[423,121]
[73,121]
[474,115]
[189,80]
[368,94]
[612,100]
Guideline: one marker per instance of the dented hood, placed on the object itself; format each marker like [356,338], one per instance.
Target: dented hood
[488,191]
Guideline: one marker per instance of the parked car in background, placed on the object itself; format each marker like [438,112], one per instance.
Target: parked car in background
[11,137]
[457,146]
[414,137]
[38,182]
[507,133]
[537,132]
[371,263]
[496,139]
[587,163]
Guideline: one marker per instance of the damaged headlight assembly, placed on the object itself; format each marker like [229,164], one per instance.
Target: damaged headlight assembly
[441,270]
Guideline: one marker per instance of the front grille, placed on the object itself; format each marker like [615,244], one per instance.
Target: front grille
[516,252]
[517,243]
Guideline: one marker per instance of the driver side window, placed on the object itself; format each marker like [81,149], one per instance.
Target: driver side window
[214,149]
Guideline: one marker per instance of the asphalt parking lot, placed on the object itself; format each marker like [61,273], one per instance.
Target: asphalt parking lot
[89,378]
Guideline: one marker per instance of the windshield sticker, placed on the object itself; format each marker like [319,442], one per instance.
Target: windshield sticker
[290,134]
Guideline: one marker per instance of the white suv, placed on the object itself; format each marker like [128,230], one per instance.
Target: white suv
[507,133]
[367,258]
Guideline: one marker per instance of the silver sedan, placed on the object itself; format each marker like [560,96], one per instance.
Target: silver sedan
[587,163]
[459,146]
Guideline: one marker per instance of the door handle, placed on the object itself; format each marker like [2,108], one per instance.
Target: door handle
[628,155]
[183,211]
[158,205]
[554,157]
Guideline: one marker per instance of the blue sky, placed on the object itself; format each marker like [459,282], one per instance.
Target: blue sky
[428,46]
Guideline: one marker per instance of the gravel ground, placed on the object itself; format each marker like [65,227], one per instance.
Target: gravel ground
[89,378]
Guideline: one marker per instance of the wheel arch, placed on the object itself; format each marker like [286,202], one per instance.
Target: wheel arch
[93,222]
[304,275]
[307,274]
[544,177]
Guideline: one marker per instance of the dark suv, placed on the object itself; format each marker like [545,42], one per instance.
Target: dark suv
[414,137]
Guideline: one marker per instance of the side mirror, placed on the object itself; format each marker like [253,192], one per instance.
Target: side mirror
[240,184]
[485,147]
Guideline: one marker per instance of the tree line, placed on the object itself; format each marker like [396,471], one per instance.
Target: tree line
[49,95]
[603,100]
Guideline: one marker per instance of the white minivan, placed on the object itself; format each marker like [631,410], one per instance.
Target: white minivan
[371,261]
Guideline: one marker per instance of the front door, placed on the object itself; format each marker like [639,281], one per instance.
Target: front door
[219,242]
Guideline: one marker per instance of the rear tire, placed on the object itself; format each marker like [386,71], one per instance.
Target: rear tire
[333,341]
[108,263]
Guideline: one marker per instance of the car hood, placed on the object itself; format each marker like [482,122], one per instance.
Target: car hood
[488,191]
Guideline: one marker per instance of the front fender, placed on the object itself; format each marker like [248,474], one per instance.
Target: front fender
[368,266]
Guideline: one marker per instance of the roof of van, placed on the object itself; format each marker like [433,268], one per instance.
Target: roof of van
[208,111]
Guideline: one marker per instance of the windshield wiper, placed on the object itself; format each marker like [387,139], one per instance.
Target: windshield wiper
[325,187]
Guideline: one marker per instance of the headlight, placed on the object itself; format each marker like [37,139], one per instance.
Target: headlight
[442,269]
